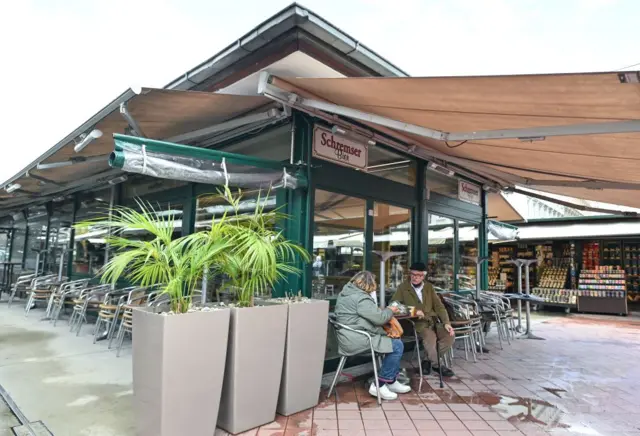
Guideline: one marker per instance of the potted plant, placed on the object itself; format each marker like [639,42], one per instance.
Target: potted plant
[305,350]
[179,354]
[260,257]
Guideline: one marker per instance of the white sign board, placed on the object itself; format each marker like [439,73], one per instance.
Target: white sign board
[469,192]
[339,149]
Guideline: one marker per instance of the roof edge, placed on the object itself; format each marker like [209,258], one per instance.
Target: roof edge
[290,17]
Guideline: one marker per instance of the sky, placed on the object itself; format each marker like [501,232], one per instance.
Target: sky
[63,60]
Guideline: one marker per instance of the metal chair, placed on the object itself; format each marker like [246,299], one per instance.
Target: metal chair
[22,284]
[61,297]
[462,328]
[89,299]
[343,359]
[40,290]
[108,311]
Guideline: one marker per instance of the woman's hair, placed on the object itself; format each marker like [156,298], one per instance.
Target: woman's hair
[366,281]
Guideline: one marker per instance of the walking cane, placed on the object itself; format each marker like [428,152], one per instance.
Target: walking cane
[435,330]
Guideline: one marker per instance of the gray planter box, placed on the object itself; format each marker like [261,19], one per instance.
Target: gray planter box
[178,363]
[254,367]
[304,356]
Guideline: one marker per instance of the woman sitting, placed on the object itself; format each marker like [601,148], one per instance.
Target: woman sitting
[356,307]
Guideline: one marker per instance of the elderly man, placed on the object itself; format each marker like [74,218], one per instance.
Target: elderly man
[421,294]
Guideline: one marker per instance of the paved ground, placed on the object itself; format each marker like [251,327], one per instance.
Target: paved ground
[583,380]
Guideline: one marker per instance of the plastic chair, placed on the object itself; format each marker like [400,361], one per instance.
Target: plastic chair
[343,359]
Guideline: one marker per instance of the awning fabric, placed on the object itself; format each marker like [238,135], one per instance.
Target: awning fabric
[586,230]
[499,208]
[475,104]
[159,113]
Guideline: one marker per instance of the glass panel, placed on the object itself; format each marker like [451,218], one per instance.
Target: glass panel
[391,166]
[442,184]
[391,237]
[89,246]
[4,245]
[19,236]
[468,234]
[441,261]
[59,232]
[141,186]
[36,243]
[212,206]
[274,144]
[338,242]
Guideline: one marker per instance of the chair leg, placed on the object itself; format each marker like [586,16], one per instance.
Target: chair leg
[343,360]
[12,296]
[375,375]
[30,302]
[417,353]
[96,329]
[121,334]
[465,343]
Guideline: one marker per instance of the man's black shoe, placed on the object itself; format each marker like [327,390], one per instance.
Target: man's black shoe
[446,372]
[426,367]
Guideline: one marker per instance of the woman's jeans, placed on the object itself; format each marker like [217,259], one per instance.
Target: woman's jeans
[391,363]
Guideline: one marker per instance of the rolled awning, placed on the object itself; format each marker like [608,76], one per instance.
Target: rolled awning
[168,160]
[570,134]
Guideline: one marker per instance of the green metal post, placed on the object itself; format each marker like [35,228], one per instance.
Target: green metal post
[456,254]
[72,234]
[368,235]
[189,205]
[483,250]
[420,224]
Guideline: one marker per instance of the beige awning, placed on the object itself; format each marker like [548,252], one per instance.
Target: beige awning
[499,208]
[568,158]
[159,113]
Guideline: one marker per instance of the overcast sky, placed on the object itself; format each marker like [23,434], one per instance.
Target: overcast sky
[63,60]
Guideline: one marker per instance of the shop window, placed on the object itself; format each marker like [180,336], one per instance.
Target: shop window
[442,184]
[89,245]
[142,186]
[19,236]
[392,166]
[441,252]
[59,233]
[338,242]
[391,238]
[37,220]
[4,245]
[468,235]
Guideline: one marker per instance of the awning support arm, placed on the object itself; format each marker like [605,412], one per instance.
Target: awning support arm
[130,120]
[271,114]
[266,88]
[572,205]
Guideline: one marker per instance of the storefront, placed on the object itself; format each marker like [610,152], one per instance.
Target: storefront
[590,264]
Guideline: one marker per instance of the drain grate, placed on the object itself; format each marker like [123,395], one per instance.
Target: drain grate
[32,429]
[24,427]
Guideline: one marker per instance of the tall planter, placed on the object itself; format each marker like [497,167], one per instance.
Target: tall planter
[178,367]
[254,367]
[304,356]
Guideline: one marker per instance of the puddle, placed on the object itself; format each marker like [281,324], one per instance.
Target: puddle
[517,409]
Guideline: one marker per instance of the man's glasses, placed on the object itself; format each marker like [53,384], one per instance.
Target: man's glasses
[417,274]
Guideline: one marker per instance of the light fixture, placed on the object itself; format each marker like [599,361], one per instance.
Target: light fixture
[87,139]
[440,169]
[119,179]
[72,161]
[532,138]
[337,130]
[12,188]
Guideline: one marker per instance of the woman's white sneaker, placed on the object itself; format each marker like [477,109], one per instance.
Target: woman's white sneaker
[385,393]
[398,388]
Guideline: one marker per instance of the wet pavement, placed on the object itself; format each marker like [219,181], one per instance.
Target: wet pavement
[584,379]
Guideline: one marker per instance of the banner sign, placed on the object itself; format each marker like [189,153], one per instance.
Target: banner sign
[339,149]
[469,192]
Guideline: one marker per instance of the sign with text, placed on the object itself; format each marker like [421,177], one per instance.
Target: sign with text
[339,149]
[469,192]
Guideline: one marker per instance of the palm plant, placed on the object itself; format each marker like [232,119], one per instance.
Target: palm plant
[247,248]
[260,255]
[173,264]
